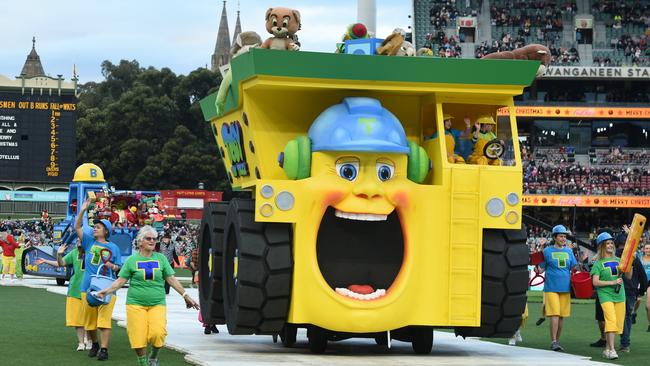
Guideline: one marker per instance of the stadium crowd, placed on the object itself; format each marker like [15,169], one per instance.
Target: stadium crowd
[544,14]
[446,46]
[444,13]
[612,172]
[623,12]
[32,232]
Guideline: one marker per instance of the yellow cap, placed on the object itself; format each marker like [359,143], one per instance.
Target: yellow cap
[487,120]
[88,172]
[447,116]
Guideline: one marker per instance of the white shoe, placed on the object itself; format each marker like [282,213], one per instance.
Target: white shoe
[512,341]
[613,355]
[89,345]
[81,347]
[517,336]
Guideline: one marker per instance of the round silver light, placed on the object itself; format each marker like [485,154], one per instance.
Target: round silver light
[285,201]
[266,191]
[495,207]
[512,199]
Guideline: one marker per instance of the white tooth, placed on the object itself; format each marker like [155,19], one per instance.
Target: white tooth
[361,217]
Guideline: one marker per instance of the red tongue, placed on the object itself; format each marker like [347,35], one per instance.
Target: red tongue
[361,289]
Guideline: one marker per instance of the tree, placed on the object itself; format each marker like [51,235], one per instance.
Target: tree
[145,129]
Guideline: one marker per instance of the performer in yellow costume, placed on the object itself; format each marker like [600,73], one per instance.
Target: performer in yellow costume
[451,135]
[482,136]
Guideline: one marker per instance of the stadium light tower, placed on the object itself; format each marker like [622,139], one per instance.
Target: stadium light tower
[367,14]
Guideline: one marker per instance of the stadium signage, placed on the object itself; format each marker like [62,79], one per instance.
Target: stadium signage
[37,137]
[578,112]
[586,201]
[595,72]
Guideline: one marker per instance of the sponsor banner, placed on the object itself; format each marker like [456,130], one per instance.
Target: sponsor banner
[596,72]
[586,201]
[579,112]
[468,22]
[584,23]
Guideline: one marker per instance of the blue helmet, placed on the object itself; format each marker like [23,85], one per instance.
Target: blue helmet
[107,224]
[358,124]
[602,237]
[559,229]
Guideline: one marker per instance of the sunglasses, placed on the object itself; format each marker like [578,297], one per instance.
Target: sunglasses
[148,238]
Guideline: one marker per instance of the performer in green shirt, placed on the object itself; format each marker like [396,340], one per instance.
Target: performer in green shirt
[146,313]
[606,275]
[74,315]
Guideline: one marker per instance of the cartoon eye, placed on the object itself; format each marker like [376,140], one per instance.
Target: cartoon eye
[285,23]
[275,22]
[348,170]
[384,171]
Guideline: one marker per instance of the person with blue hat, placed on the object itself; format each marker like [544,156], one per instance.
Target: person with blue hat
[99,250]
[635,288]
[558,262]
[606,278]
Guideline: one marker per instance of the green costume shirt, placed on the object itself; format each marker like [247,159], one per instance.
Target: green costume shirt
[147,275]
[607,270]
[72,258]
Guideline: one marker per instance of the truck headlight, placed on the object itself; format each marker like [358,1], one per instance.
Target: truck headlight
[285,201]
[266,191]
[512,199]
[495,207]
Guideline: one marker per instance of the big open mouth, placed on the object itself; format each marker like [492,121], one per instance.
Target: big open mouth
[360,255]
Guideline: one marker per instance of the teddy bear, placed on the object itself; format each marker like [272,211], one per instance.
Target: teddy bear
[243,43]
[533,51]
[283,23]
[393,43]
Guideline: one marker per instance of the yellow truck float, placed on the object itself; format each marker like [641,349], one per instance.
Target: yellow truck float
[356,224]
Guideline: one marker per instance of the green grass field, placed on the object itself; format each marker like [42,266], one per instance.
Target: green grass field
[34,333]
[581,329]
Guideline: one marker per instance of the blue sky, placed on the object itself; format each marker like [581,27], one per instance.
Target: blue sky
[164,33]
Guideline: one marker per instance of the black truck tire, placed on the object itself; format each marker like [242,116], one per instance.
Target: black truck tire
[257,271]
[504,284]
[210,284]
[422,340]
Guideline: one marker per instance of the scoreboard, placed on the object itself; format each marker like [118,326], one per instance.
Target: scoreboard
[37,137]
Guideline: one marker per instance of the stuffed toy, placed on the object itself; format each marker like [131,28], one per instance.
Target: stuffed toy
[244,42]
[407,49]
[533,51]
[424,52]
[392,44]
[354,31]
[282,23]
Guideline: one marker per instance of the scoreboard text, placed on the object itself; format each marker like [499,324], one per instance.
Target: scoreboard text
[37,137]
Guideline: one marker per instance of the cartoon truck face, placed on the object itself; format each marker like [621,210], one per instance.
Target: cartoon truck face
[359,226]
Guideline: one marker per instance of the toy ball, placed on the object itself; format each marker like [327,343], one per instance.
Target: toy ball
[358,30]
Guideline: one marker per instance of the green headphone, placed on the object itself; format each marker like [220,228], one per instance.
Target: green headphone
[296,160]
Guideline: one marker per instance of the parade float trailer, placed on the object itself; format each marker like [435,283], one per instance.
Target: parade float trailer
[88,181]
[346,237]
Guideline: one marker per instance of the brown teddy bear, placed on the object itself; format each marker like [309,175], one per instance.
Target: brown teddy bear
[283,23]
[533,51]
[391,45]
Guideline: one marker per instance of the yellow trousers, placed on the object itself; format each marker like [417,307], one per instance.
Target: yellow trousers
[146,324]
